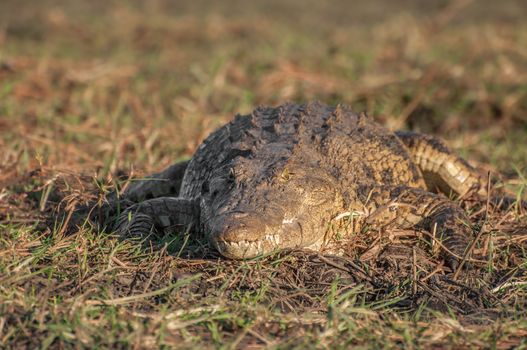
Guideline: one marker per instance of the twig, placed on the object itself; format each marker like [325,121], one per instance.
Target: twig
[414,271]
[509,284]
[440,296]
[438,268]
[132,298]
[442,246]
[343,268]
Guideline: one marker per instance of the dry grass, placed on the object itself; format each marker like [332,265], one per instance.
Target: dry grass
[92,93]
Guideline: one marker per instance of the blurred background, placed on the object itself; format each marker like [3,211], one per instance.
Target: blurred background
[94,90]
[101,85]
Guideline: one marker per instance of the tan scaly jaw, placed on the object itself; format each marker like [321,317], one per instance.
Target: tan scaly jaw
[244,249]
[240,249]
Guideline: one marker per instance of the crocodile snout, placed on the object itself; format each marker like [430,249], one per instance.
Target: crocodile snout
[242,227]
[241,235]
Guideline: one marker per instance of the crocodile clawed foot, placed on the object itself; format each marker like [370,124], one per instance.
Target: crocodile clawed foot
[452,263]
[138,224]
[102,213]
[457,243]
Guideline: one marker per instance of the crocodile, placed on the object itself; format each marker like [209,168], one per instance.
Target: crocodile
[292,176]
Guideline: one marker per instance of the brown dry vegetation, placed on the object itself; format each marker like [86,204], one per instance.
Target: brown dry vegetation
[93,93]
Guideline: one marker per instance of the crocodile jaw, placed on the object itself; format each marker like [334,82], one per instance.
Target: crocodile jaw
[247,250]
[244,249]
[239,250]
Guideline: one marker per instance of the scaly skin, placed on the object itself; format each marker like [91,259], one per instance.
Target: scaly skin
[441,168]
[275,178]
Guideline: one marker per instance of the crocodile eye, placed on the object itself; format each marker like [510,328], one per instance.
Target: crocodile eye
[285,175]
[205,187]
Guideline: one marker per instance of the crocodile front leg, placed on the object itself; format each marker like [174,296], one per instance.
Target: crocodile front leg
[407,207]
[163,184]
[158,214]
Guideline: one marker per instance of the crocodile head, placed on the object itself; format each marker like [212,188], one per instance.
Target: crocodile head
[250,212]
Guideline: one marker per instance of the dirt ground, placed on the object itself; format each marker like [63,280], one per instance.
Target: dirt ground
[94,94]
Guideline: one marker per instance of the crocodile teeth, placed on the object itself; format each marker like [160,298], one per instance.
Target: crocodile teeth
[273,239]
[240,249]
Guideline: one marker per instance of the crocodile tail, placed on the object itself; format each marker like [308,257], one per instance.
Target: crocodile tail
[442,168]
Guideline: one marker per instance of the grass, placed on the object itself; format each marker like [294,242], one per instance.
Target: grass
[92,93]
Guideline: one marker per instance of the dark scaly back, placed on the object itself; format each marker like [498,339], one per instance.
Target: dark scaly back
[244,137]
[350,147]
